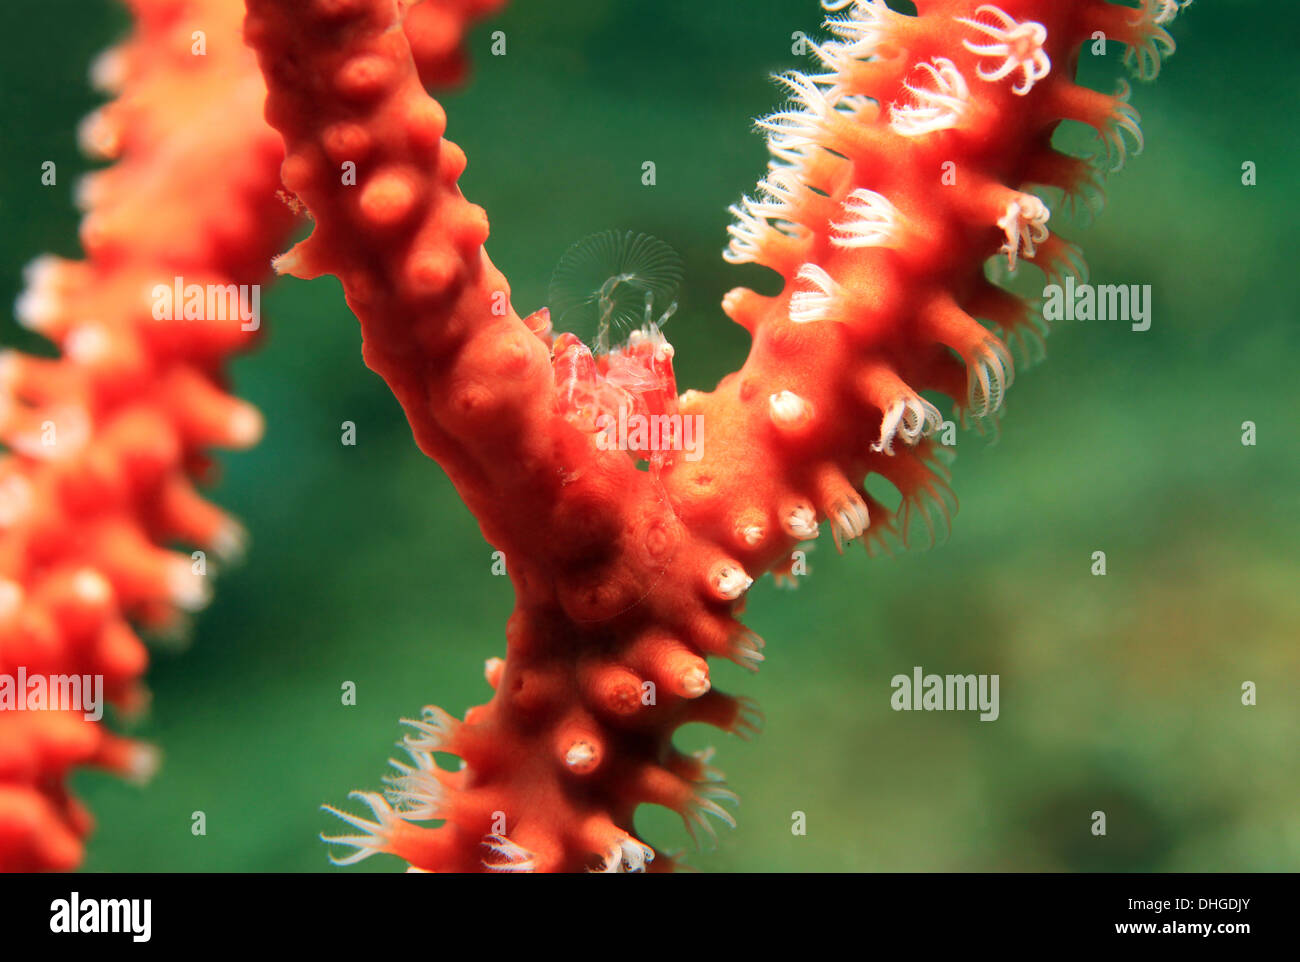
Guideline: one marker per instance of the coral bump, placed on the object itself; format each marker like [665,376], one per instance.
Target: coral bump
[897,172]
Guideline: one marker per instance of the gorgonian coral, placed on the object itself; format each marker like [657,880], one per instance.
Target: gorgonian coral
[900,168]
[898,171]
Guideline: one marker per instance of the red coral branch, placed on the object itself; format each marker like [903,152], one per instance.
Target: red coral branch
[108,441]
[898,173]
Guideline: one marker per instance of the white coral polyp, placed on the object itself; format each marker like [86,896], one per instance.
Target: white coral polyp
[1164,11]
[1025,225]
[783,192]
[1124,119]
[873,221]
[746,650]
[751,230]
[800,521]
[822,304]
[746,244]
[838,59]
[849,518]
[435,728]
[730,581]
[505,856]
[627,855]
[1019,45]
[39,302]
[805,126]
[1154,43]
[416,791]
[378,833]
[941,108]
[909,418]
[705,803]
[991,373]
[864,29]
[809,121]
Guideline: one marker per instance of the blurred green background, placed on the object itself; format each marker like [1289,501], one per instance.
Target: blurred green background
[1119,693]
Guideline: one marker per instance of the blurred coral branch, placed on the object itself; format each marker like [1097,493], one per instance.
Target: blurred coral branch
[107,442]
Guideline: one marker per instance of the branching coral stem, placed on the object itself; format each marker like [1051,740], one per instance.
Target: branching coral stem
[896,176]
